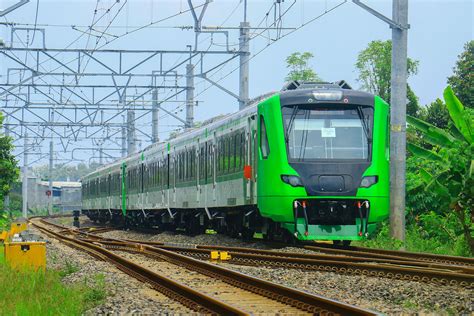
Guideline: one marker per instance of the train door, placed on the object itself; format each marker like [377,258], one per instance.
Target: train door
[250,163]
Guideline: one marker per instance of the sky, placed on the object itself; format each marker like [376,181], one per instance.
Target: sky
[438,31]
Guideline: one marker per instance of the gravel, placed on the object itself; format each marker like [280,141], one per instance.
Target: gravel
[125,295]
[393,297]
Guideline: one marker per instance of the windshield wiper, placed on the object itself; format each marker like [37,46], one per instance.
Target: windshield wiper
[365,123]
[365,126]
[290,123]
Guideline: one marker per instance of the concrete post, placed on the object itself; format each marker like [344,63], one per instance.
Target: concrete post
[154,117]
[24,182]
[398,120]
[244,64]
[6,200]
[124,138]
[50,176]
[189,95]
[131,141]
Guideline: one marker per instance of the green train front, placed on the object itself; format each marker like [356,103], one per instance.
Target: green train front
[323,167]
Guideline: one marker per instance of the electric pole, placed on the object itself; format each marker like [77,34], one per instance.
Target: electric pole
[398,107]
[398,120]
[24,182]
[154,117]
[244,64]
[189,95]
[50,184]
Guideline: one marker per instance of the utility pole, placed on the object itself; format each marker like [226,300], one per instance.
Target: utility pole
[24,182]
[131,146]
[398,106]
[50,198]
[6,201]
[124,137]
[398,120]
[154,117]
[244,64]
[189,95]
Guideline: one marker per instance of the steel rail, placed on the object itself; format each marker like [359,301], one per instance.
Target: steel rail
[350,263]
[391,254]
[303,300]
[187,296]
[292,297]
[404,270]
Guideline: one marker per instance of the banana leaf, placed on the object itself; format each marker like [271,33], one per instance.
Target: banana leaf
[461,119]
[423,153]
[431,133]
[425,175]
[435,186]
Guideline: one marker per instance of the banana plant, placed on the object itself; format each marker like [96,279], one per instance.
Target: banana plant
[452,152]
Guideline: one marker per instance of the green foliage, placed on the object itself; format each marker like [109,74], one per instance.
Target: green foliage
[298,63]
[462,81]
[8,164]
[375,65]
[436,114]
[42,293]
[413,107]
[429,233]
[445,169]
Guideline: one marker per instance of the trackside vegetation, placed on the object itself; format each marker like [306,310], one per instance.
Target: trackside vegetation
[29,292]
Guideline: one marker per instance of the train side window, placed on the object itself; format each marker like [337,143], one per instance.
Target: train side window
[264,146]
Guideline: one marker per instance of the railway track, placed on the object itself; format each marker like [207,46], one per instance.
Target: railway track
[391,254]
[259,295]
[342,261]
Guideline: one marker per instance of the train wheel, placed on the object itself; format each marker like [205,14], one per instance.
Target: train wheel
[343,243]
[247,234]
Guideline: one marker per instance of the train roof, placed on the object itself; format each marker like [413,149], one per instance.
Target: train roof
[213,122]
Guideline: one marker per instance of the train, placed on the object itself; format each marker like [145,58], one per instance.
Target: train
[308,162]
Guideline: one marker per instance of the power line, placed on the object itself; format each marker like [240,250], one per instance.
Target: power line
[36,21]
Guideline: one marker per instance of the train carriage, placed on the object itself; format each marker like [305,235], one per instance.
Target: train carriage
[309,162]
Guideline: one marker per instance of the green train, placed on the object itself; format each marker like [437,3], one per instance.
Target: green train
[310,162]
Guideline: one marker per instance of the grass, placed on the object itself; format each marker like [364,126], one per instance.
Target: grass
[28,292]
[417,240]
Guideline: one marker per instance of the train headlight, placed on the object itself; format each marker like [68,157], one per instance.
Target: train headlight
[367,182]
[294,181]
[329,95]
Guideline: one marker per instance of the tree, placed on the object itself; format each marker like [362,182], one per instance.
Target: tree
[298,63]
[436,114]
[451,174]
[8,170]
[462,81]
[375,66]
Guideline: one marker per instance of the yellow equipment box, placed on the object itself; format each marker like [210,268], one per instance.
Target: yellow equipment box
[18,226]
[30,254]
[3,236]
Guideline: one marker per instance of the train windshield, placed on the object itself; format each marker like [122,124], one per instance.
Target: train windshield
[328,133]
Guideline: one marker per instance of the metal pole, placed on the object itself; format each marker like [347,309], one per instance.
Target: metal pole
[50,176]
[244,64]
[398,102]
[24,182]
[124,137]
[131,146]
[6,200]
[154,117]
[189,95]
[101,155]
